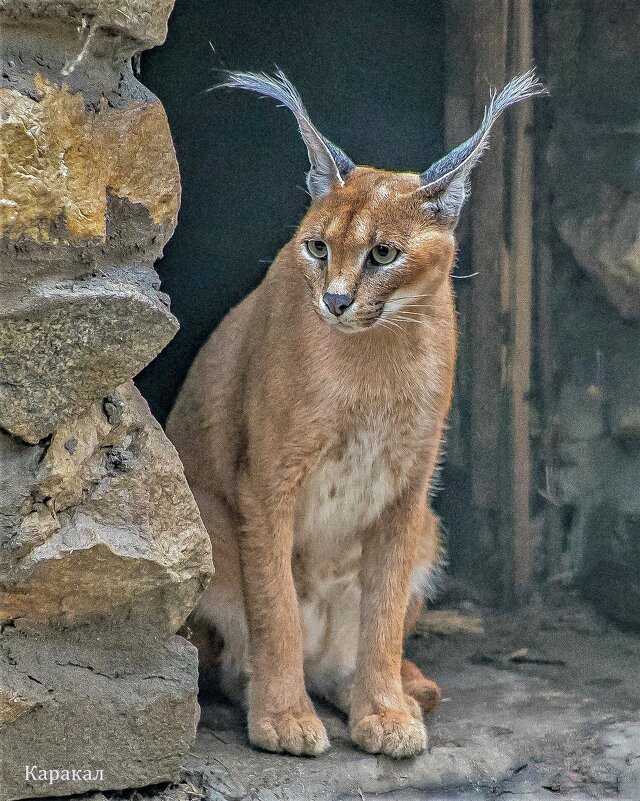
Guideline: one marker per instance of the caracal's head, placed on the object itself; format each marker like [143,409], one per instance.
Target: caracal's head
[374,245]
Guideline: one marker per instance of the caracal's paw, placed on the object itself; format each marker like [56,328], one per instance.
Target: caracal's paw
[294,732]
[426,693]
[397,734]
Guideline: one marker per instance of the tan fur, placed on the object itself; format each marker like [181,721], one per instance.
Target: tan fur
[310,444]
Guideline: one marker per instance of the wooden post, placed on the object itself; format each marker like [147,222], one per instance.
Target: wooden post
[489,21]
[522,556]
[493,42]
[458,122]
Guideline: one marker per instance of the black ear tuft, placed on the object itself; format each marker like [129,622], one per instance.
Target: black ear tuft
[329,165]
[445,184]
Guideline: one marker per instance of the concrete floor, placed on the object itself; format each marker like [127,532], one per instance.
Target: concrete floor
[562,724]
[526,729]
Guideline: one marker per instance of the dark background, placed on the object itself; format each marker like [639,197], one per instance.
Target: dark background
[371,75]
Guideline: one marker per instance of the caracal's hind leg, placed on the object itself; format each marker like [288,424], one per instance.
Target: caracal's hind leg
[218,623]
[424,692]
[414,682]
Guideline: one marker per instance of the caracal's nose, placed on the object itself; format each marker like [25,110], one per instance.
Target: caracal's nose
[337,304]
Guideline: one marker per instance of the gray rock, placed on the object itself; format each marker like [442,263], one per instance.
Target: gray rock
[92,701]
[144,21]
[18,467]
[606,243]
[91,192]
[594,142]
[66,345]
[102,550]
[107,527]
[622,750]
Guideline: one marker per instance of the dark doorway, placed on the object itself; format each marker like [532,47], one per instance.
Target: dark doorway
[371,75]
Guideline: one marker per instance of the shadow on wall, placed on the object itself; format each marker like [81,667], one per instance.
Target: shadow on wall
[372,78]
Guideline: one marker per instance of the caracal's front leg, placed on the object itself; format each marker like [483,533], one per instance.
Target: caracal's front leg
[383,719]
[280,715]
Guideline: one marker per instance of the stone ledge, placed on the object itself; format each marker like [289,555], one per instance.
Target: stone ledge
[67,702]
[144,21]
[66,345]
[63,161]
[102,523]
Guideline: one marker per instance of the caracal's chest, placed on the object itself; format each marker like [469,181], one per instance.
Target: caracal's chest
[373,445]
[356,476]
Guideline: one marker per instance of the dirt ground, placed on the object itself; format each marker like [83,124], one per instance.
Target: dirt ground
[543,704]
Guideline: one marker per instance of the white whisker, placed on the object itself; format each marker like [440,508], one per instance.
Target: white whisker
[418,306]
[389,326]
[418,321]
[416,315]
[410,297]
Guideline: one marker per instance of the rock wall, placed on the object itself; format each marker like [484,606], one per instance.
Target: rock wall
[594,65]
[593,164]
[102,550]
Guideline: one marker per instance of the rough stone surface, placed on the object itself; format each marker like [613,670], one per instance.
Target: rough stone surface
[596,430]
[102,550]
[90,194]
[87,701]
[594,75]
[144,21]
[62,161]
[64,345]
[607,244]
[592,67]
[105,524]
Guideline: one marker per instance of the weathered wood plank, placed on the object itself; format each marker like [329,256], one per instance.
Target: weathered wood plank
[459,124]
[488,43]
[489,23]
[522,551]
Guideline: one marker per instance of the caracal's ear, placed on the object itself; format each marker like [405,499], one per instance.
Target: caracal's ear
[445,185]
[329,165]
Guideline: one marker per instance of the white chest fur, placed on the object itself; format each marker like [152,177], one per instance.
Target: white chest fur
[347,490]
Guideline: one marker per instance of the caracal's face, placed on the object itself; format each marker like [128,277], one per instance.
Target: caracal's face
[370,253]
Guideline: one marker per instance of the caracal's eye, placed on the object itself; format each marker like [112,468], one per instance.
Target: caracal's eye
[383,254]
[317,248]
